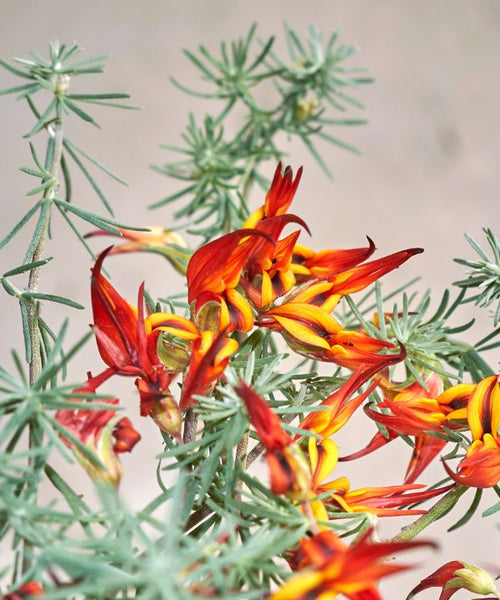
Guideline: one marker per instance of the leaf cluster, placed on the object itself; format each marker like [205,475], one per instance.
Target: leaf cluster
[221,167]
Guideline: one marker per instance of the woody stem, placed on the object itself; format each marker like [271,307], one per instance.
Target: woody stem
[439,509]
[190,426]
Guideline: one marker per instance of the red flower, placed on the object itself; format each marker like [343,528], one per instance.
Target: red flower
[457,575]
[312,332]
[413,411]
[308,264]
[278,198]
[328,567]
[213,274]
[104,432]
[161,241]
[481,466]
[380,501]
[340,404]
[267,272]
[288,468]
[127,342]
[327,292]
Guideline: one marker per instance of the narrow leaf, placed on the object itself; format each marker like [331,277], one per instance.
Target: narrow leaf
[94,161]
[90,179]
[27,267]
[20,224]
[470,512]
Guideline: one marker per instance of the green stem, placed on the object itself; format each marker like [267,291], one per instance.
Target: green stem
[32,305]
[433,514]
[32,311]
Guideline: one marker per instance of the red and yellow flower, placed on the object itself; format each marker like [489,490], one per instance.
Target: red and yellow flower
[327,291]
[312,332]
[155,239]
[213,275]
[127,342]
[104,432]
[413,411]
[380,501]
[267,272]
[327,567]
[308,264]
[278,198]
[339,405]
[481,466]
[457,575]
[288,468]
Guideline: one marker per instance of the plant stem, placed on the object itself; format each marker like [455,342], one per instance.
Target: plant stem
[190,426]
[241,450]
[32,311]
[433,514]
[258,449]
[241,456]
[32,305]
[255,453]
[198,516]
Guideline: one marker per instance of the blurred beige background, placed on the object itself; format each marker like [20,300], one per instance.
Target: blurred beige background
[428,174]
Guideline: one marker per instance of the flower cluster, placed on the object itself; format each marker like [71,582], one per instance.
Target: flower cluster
[249,277]
[258,278]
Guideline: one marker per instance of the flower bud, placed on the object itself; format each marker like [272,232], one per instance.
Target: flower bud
[166,414]
[473,579]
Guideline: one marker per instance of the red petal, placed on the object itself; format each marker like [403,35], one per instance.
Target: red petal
[113,315]
[263,418]
[218,264]
[427,447]
[360,277]
[439,579]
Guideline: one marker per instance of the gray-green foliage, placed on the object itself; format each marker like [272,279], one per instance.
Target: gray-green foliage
[313,88]
[217,530]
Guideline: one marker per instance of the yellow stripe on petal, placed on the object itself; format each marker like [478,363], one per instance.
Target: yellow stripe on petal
[266,290]
[307,313]
[287,279]
[224,315]
[245,321]
[341,485]
[303,251]
[457,415]
[495,409]
[174,324]
[462,390]
[297,587]
[299,269]
[302,333]
[253,219]
[342,503]
[310,292]
[229,348]
[319,511]
[330,303]
[482,413]
[328,454]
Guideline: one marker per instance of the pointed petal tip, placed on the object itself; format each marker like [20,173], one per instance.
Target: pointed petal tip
[96,269]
